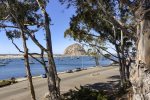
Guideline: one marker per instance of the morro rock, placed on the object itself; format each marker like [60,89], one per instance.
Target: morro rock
[74,50]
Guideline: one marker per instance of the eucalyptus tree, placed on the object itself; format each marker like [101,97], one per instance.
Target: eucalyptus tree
[92,49]
[54,80]
[23,17]
[107,21]
[129,18]
[140,72]
[8,9]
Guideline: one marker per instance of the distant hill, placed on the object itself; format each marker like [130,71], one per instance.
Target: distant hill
[74,50]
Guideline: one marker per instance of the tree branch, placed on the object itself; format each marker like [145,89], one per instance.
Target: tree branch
[103,54]
[107,57]
[35,40]
[103,49]
[7,26]
[112,19]
[30,54]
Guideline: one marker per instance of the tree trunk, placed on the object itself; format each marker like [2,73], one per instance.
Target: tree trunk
[120,59]
[140,74]
[28,71]
[128,65]
[96,60]
[26,61]
[52,77]
[120,70]
[127,72]
[29,76]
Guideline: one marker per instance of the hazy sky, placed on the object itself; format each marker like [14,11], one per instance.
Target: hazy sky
[60,18]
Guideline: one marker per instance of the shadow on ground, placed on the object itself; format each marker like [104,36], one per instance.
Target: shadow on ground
[106,86]
[110,88]
[107,90]
[115,77]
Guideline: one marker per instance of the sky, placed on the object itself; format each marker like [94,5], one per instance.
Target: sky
[60,19]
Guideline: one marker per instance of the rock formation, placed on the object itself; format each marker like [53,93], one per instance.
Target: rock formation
[74,50]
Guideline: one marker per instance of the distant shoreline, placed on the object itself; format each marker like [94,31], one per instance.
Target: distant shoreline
[10,56]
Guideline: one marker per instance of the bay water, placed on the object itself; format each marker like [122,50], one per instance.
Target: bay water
[15,67]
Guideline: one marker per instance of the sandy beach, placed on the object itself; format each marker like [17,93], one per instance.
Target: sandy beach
[97,76]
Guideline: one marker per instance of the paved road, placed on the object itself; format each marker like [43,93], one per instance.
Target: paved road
[20,90]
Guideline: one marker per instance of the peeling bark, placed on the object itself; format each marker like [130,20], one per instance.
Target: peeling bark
[140,73]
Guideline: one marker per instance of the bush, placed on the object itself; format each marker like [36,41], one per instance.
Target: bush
[84,94]
[4,83]
[7,82]
[13,80]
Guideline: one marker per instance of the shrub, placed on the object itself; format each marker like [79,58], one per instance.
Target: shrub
[4,83]
[7,82]
[84,94]
[13,80]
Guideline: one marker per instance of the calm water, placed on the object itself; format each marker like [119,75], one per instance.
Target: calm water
[15,68]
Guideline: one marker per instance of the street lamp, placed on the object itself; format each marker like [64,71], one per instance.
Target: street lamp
[81,50]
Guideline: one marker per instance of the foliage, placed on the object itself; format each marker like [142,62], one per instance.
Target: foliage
[6,82]
[107,55]
[26,12]
[84,94]
[105,21]
[93,25]
[22,17]
[13,34]
[93,53]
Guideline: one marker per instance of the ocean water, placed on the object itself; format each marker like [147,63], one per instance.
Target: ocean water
[15,67]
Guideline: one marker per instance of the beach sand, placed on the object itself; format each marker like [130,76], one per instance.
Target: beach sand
[90,77]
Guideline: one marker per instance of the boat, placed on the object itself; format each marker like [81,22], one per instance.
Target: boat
[46,61]
[22,58]
[2,64]
[9,60]
[31,62]
[5,63]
